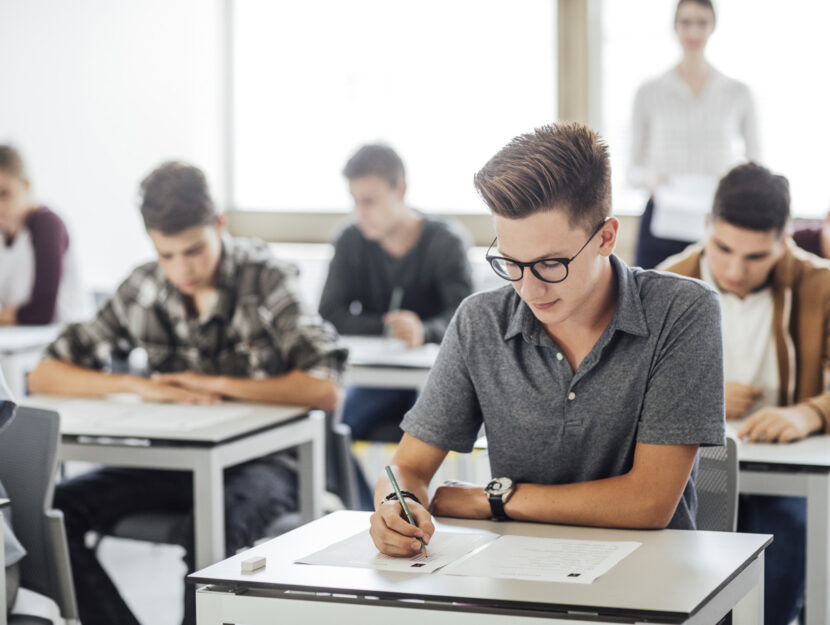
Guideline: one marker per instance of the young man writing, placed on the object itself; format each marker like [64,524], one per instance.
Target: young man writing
[581,369]
[776,335]
[391,248]
[218,319]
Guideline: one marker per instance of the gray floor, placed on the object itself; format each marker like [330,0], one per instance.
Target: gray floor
[150,578]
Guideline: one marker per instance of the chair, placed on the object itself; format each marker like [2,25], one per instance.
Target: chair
[717,487]
[28,465]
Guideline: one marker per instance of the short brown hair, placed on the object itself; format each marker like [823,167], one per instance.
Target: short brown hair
[563,166]
[12,162]
[175,197]
[376,159]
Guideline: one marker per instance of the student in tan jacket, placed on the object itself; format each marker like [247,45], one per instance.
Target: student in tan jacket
[775,301]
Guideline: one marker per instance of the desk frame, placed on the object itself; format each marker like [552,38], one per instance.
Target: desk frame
[378,376]
[727,576]
[217,605]
[814,484]
[208,461]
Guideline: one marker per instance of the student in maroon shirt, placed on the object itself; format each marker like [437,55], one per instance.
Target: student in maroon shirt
[815,240]
[32,249]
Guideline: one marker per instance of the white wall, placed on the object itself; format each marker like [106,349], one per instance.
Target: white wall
[95,94]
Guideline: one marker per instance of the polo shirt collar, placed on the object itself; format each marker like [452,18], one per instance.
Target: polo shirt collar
[628,315]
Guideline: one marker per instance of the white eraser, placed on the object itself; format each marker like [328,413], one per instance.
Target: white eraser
[253,564]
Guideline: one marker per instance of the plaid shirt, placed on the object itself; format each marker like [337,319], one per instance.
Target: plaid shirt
[256,329]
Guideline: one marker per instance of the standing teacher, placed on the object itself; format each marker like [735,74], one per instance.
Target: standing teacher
[690,126]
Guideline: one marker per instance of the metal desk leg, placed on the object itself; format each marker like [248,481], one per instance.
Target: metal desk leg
[312,474]
[750,609]
[208,510]
[818,550]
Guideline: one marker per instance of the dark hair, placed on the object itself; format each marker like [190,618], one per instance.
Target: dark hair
[752,197]
[175,197]
[562,166]
[377,159]
[12,162]
[706,4]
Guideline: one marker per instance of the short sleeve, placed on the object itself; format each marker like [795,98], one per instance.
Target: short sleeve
[684,400]
[447,413]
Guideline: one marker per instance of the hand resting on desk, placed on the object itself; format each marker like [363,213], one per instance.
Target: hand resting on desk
[406,326]
[782,425]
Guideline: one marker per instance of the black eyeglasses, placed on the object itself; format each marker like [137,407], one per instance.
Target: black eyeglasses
[550,270]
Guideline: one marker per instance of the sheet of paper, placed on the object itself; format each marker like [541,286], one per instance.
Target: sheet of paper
[127,415]
[681,205]
[388,352]
[543,559]
[360,552]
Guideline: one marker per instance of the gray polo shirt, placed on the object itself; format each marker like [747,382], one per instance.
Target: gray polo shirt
[654,376]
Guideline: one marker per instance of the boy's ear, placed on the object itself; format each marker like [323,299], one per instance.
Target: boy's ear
[221,223]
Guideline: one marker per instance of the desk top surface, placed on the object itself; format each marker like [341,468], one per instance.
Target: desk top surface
[15,339]
[813,451]
[127,417]
[378,351]
[673,571]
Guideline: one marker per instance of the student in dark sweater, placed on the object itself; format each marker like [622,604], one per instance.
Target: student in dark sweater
[39,281]
[390,246]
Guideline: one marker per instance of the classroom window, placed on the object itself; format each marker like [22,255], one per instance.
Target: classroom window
[774,48]
[444,83]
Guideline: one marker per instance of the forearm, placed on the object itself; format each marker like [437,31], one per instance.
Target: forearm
[296,387]
[817,412]
[408,479]
[612,502]
[57,377]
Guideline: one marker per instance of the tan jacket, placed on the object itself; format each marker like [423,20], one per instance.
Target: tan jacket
[801,316]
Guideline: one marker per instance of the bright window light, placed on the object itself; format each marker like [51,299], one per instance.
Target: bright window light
[444,83]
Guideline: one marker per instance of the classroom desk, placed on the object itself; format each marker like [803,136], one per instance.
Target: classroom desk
[3,504]
[675,576]
[379,362]
[21,347]
[123,431]
[797,469]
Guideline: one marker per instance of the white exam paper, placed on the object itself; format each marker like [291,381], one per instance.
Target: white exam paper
[543,559]
[360,552]
[681,206]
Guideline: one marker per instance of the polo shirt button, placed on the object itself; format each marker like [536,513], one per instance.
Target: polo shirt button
[571,396]
[559,356]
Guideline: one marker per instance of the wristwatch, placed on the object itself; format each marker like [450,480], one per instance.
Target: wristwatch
[498,492]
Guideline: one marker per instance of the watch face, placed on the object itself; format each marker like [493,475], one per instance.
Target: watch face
[499,486]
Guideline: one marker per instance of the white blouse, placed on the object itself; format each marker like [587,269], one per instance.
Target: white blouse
[676,133]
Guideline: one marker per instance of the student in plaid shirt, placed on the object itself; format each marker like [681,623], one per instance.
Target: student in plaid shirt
[218,319]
